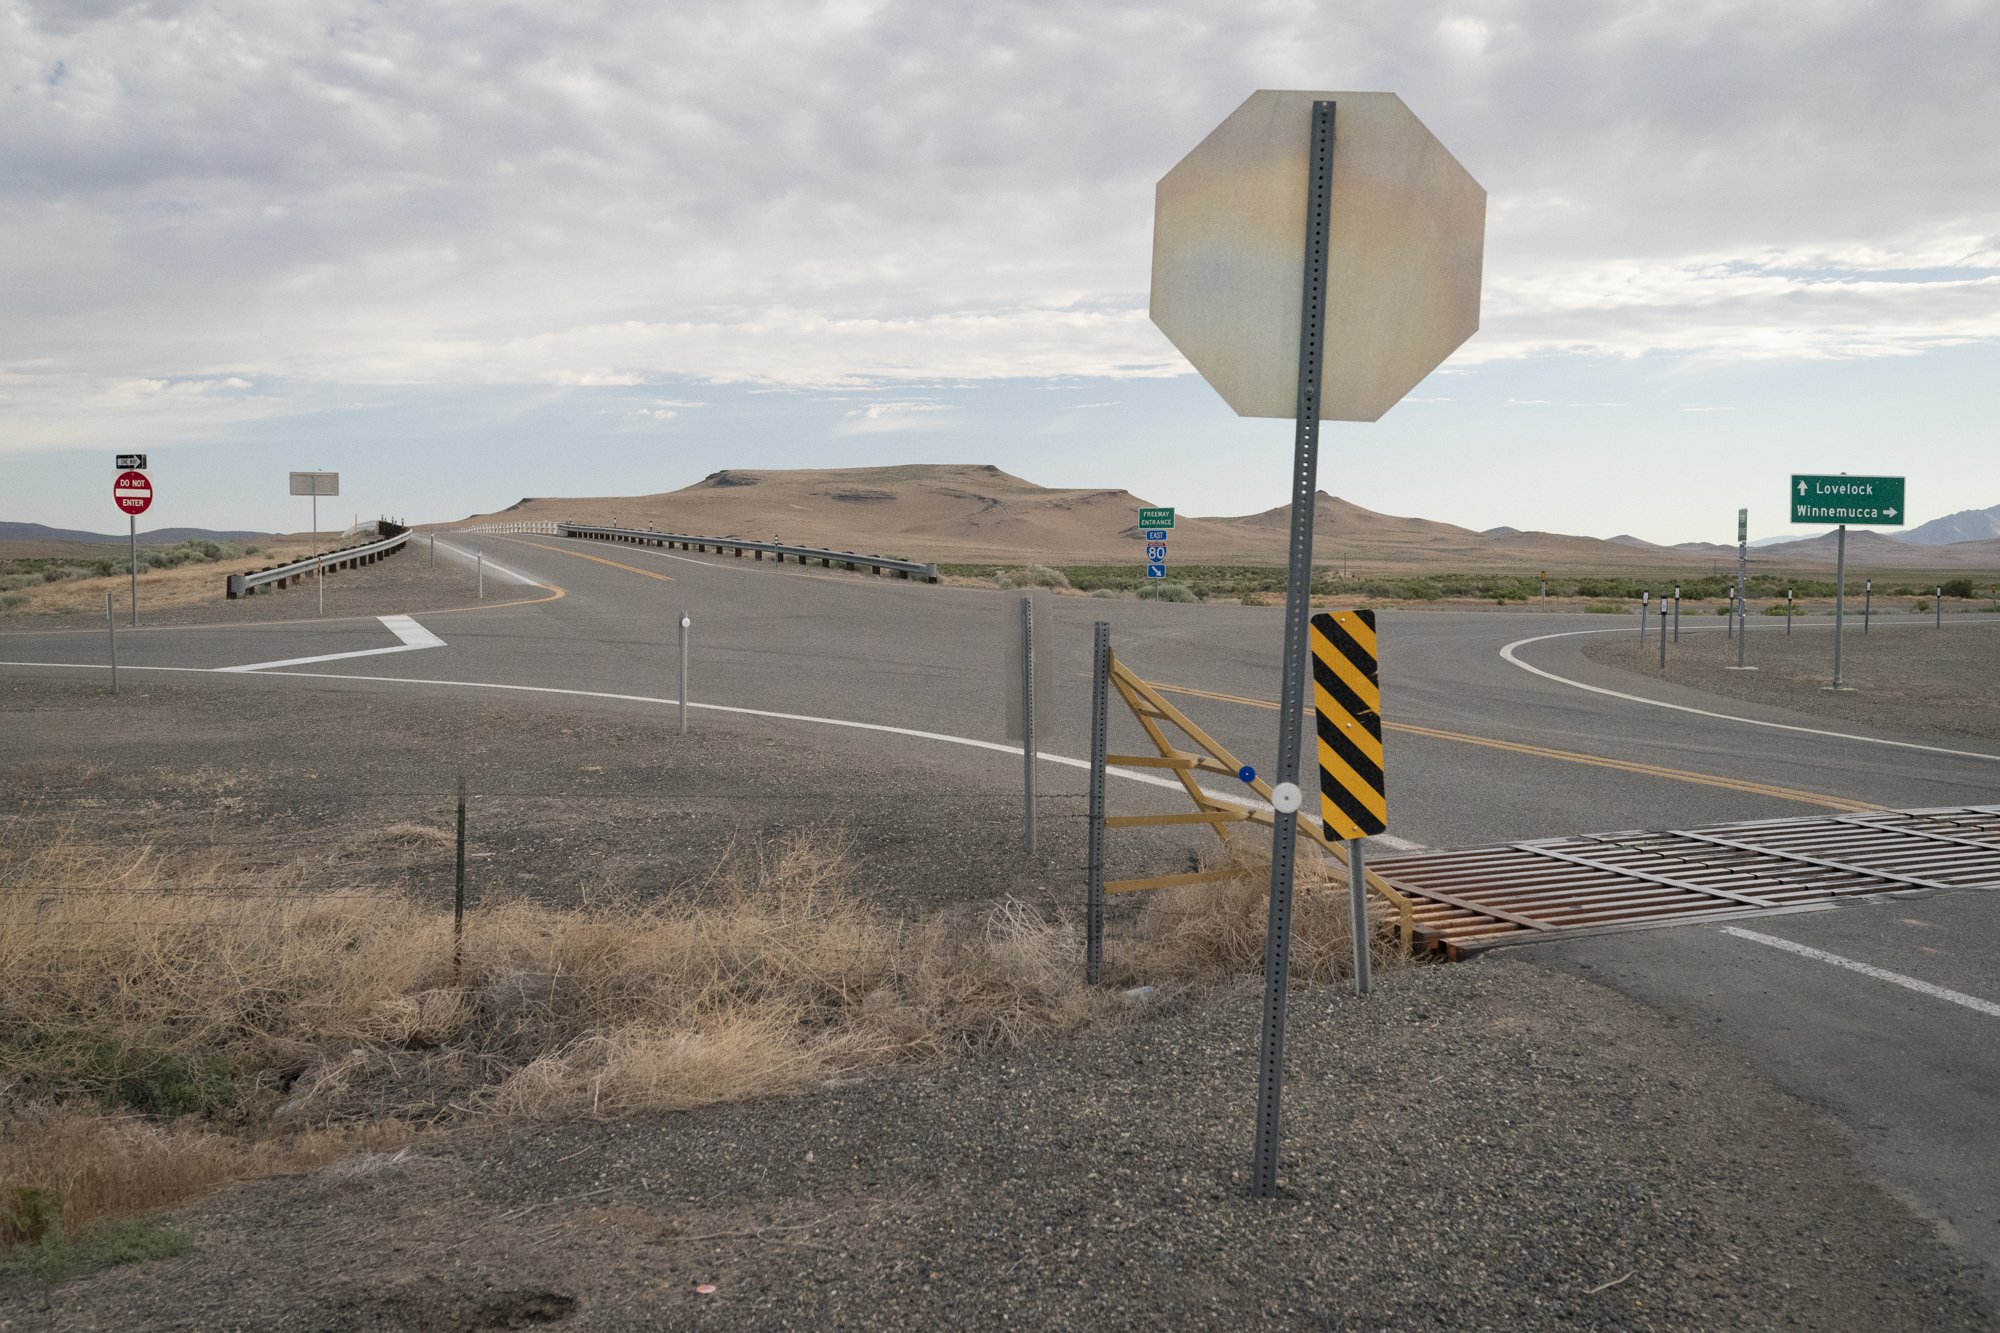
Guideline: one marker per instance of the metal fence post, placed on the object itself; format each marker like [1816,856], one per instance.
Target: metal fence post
[1100,726]
[686,624]
[111,628]
[1029,754]
[458,891]
[1357,890]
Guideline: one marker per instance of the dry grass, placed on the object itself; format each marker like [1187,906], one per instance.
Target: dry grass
[167,1029]
[159,589]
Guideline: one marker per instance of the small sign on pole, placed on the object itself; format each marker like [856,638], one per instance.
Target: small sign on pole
[132,461]
[1841,499]
[317,484]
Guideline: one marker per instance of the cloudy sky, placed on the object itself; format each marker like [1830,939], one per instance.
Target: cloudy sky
[464,253]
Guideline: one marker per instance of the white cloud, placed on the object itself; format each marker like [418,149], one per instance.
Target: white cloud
[853,195]
[880,418]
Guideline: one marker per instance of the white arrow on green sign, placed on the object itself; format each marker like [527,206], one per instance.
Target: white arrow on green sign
[1844,499]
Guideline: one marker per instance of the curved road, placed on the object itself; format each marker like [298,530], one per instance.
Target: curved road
[1492,736]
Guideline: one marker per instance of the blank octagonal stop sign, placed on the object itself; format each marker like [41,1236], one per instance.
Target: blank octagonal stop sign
[1403,268]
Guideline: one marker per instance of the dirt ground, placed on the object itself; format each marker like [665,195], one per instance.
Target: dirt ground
[1478,1145]
[1484,1145]
[1902,680]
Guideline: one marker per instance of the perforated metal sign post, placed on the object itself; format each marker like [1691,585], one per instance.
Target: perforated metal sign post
[1404,265]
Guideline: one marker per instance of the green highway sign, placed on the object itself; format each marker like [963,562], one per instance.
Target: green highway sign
[1845,499]
[1156,518]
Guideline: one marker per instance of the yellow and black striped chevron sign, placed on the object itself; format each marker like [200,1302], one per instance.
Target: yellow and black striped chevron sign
[1347,696]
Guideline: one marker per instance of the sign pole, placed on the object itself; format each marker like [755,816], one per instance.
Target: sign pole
[132,534]
[1839,596]
[1357,889]
[1028,748]
[1742,566]
[1100,729]
[1298,609]
[319,575]
[111,629]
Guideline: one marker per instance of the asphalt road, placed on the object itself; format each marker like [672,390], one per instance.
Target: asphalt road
[1480,749]
[1914,1075]
[1520,755]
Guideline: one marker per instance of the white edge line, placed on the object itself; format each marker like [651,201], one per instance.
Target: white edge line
[1399,844]
[1508,653]
[476,557]
[1986,1007]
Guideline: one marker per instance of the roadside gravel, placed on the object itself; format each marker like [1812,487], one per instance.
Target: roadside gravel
[1905,680]
[1489,1145]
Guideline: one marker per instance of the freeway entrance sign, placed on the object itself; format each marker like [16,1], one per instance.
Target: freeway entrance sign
[1877,501]
[1156,518]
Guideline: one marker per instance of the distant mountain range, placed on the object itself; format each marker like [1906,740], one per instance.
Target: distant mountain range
[37,532]
[1967,525]
[966,513]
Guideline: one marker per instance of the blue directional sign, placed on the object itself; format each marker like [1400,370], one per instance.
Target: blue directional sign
[1156,570]
[1156,534]
[1156,551]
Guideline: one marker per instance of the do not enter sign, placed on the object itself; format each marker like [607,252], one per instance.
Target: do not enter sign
[132,492]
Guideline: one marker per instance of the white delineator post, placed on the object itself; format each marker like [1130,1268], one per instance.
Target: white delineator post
[686,624]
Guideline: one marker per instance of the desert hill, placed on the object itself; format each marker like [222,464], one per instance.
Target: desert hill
[969,513]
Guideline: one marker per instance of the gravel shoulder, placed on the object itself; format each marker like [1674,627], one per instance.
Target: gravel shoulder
[1488,1145]
[1904,680]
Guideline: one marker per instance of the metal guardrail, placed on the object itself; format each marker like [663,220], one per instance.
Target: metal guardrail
[243,585]
[803,554]
[545,529]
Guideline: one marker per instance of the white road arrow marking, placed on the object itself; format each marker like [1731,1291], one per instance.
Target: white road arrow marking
[412,635]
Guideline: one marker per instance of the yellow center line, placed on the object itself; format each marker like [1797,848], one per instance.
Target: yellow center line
[1572,757]
[632,569]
